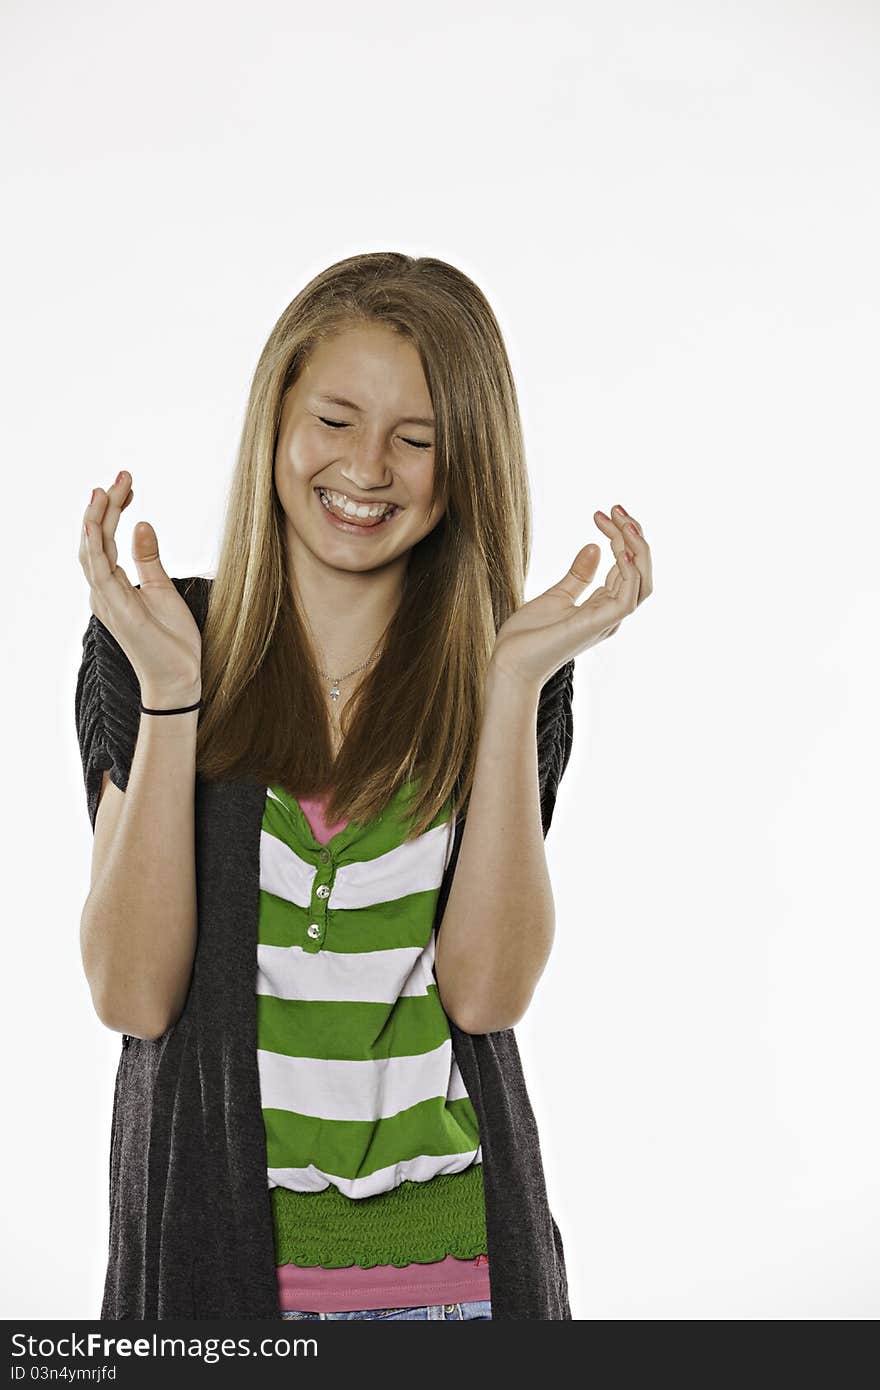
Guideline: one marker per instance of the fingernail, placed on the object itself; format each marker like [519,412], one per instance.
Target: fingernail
[603,516]
[620,509]
[92,498]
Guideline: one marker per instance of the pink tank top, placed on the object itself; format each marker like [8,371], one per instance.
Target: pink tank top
[314,1289]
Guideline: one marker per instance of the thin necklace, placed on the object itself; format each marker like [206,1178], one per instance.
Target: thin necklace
[334,680]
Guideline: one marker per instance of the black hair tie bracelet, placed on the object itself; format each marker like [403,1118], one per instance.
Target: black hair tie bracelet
[185,710]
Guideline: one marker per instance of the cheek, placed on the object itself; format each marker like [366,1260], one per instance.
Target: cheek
[420,489]
[430,517]
[298,461]
[438,510]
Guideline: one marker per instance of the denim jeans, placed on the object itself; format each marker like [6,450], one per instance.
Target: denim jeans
[478,1309]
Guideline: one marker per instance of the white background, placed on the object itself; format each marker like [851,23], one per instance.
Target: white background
[673,210]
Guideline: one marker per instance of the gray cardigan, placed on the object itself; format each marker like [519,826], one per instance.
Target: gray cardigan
[190,1217]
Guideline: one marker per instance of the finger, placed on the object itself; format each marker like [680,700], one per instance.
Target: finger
[83,536]
[145,553]
[609,525]
[612,529]
[93,511]
[116,495]
[609,605]
[611,588]
[582,572]
[619,525]
[614,578]
[625,532]
[99,562]
[91,524]
[628,593]
[622,516]
[641,553]
[104,519]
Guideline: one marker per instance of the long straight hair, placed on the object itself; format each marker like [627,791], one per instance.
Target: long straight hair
[415,715]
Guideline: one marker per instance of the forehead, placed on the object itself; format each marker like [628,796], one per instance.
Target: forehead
[371,367]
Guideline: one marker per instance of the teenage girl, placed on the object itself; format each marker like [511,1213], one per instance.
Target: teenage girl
[368,652]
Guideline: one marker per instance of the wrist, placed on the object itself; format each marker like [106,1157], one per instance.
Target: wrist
[503,683]
[178,697]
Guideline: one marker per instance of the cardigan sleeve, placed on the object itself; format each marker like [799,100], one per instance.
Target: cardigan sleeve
[107,712]
[555,731]
[108,697]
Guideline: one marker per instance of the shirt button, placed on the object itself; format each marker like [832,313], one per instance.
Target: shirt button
[325,856]
[323,891]
[314,930]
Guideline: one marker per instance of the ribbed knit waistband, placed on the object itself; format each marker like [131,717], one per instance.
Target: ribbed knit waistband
[413,1222]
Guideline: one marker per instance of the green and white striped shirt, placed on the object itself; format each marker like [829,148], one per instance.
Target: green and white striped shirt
[359,1084]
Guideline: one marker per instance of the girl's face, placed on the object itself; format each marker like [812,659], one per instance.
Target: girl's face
[373,444]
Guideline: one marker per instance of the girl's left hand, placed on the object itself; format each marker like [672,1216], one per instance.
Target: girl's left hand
[549,630]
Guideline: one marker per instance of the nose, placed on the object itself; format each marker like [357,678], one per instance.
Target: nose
[366,469]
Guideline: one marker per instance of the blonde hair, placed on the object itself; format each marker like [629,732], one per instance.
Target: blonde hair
[416,712]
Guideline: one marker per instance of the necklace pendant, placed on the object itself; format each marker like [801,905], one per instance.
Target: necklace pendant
[334,690]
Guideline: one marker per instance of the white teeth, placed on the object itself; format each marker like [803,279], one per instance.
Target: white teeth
[350,508]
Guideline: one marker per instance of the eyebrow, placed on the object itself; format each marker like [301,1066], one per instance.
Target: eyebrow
[408,420]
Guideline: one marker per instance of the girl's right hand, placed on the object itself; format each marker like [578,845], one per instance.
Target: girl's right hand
[153,624]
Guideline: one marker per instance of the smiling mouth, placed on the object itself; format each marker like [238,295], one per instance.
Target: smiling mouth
[353,522]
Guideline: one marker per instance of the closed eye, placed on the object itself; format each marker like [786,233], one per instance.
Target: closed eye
[343,425]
